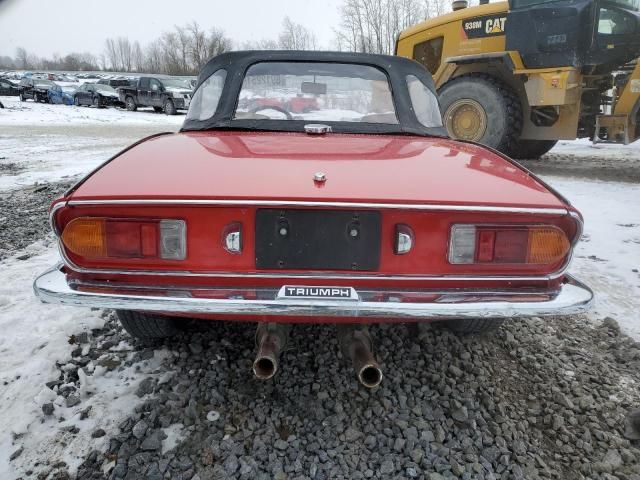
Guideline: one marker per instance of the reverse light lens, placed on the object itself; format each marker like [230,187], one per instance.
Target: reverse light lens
[173,241]
[95,238]
[462,248]
[473,244]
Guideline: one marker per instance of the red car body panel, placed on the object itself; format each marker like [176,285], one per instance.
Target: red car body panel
[280,166]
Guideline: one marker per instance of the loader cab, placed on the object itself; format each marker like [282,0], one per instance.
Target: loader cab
[594,35]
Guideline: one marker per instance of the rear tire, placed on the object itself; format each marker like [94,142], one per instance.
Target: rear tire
[169,107]
[76,102]
[473,326]
[96,101]
[22,99]
[145,326]
[130,103]
[483,109]
[36,98]
[531,149]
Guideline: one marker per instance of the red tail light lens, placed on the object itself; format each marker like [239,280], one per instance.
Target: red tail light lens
[533,244]
[95,238]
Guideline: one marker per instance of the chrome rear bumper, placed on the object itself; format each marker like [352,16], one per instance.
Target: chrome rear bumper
[574,297]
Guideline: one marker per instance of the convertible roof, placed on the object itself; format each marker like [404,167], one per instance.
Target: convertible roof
[237,63]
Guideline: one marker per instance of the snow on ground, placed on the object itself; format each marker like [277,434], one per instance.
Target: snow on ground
[41,142]
[33,114]
[608,256]
[34,337]
[584,146]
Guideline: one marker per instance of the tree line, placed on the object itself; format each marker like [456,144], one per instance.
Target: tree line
[369,26]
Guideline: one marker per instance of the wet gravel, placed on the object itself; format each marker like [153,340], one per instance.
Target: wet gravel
[24,215]
[538,399]
[605,168]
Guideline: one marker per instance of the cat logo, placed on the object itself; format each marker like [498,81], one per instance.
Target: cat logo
[479,27]
[495,26]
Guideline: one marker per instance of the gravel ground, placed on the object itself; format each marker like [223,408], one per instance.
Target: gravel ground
[596,167]
[540,399]
[24,215]
[551,398]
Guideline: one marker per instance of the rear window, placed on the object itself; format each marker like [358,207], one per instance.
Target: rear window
[205,101]
[425,104]
[330,92]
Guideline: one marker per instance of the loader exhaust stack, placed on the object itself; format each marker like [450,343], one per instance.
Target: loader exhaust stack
[271,339]
[357,346]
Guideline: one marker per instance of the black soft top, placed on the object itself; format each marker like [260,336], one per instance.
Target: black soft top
[236,64]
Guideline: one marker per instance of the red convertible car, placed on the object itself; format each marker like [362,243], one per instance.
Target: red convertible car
[357,210]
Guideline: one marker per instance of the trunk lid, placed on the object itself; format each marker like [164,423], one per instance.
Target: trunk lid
[253,166]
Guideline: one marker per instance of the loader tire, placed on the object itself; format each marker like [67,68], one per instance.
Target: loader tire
[531,149]
[481,108]
[145,326]
[473,326]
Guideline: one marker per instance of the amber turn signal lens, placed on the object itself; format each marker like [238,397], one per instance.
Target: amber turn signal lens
[547,245]
[86,237]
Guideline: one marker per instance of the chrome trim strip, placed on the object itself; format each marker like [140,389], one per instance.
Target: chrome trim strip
[315,275]
[574,297]
[295,203]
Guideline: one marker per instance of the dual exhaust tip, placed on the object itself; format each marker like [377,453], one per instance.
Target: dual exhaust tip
[355,343]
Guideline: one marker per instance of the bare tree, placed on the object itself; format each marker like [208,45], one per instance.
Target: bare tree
[263,44]
[295,36]
[372,26]
[22,58]
[111,54]
[137,57]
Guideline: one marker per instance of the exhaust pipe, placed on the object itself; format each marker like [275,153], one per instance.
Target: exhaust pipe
[271,339]
[357,345]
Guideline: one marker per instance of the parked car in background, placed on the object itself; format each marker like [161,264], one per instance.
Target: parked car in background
[60,95]
[35,89]
[117,82]
[8,88]
[166,95]
[357,211]
[98,95]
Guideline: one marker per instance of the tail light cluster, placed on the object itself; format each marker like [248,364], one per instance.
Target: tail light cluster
[471,244]
[126,238]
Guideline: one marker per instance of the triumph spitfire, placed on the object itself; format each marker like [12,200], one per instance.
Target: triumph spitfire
[354,210]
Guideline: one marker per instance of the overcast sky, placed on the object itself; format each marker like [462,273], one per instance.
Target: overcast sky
[45,27]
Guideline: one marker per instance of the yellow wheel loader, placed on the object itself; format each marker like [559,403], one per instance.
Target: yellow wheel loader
[518,76]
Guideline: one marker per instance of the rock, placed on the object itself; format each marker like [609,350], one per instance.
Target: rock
[16,454]
[563,400]
[48,409]
[351,434]
[632,425]
[281,444]
[387,467]
[98,433]
[195,348]
[139,429]
[72,400]
[455,371]
[435,476]
[460,415]
[231,465]
[612,459]
[611,325]
[146,387]
[152,442]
